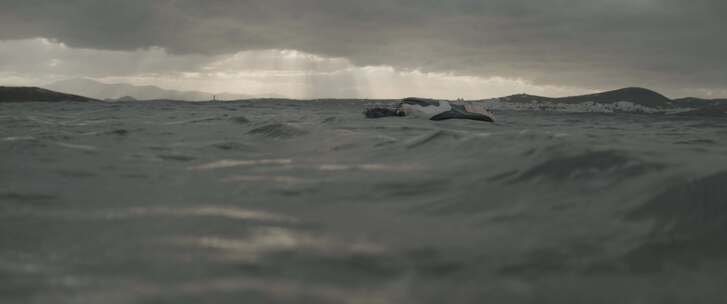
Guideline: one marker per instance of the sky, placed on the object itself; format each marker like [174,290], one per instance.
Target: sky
[371,49]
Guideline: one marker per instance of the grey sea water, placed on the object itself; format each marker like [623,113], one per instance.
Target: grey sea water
[309,202]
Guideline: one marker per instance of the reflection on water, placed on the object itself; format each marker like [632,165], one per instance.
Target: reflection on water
[238,163]
[212,211]
[288,202]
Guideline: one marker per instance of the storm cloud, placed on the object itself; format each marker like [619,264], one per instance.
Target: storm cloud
[669,45]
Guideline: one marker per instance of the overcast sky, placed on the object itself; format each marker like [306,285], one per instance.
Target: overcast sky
[375,48]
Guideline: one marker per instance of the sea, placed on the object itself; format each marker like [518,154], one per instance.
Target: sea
[279,201]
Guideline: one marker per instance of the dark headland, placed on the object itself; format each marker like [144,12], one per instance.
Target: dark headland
[30,94]
[640,96]
[635,95]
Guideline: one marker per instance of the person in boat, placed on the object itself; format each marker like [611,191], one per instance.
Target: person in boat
[433,110]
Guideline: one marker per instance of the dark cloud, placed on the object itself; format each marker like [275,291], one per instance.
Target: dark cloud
[665,44]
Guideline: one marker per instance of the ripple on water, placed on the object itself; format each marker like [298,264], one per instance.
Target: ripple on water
[689,225]
[433,138]
[240,120]
[227,163]
[176,157]
[614,165]
[76,173]
[119,132]
[210,211]
[696,142]
[26,197]
[87,148]
[411,188]
[278,131]
[233,146]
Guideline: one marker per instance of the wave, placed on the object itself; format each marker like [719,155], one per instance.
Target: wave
[369,167]
[689,225]
[591,165]
[431,138]
[77,147]
[194,121]
[176,157]
[278,131]
[240,120]
[26,197]
[18,138]
[232,146]
[211,211]
[222,164]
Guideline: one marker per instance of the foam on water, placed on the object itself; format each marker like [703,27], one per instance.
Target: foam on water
[290,202]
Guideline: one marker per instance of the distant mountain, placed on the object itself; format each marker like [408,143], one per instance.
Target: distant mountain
[717,110]
[640,96]
[121,92]
[691,102]
[125,99]
[27,94]
[100,90]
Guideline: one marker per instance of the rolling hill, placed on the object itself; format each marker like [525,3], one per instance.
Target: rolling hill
[640,96]
[30,94]
[100,90]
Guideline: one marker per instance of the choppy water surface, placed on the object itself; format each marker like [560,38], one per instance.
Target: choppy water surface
[309,202]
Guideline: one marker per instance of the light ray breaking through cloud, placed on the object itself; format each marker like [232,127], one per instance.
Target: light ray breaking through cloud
[550,47]
[284,72]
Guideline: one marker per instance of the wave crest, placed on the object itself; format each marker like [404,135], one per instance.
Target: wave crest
[278,130]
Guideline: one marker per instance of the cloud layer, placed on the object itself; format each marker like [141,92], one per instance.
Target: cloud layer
[670,45]
[263,73]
